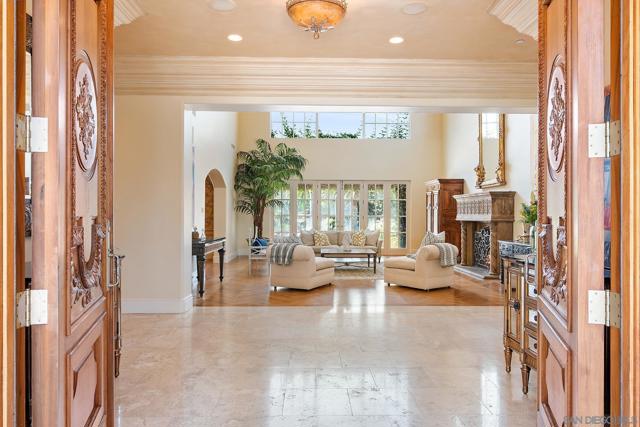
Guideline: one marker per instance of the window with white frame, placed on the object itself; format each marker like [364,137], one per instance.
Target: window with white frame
[328,211]
[375,207]
[304,207]
[346,206]
[344,125]
[282,214]
[398,216]
[351,201]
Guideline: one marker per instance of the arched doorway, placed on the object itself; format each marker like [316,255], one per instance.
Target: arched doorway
[215,201]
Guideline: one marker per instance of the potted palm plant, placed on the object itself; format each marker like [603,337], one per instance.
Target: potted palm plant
[261,173]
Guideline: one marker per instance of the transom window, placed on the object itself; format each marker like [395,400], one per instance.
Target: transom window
[302,125]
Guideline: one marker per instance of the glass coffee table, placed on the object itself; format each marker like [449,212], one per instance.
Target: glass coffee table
[344,255]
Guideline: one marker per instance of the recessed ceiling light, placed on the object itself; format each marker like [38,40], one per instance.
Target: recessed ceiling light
[396,40]
[234,37]
[519,41]
[414,8]
[223,5]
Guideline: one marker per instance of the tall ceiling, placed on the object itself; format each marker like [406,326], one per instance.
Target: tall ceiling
[449,29]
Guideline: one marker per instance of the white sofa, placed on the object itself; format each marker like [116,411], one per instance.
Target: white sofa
[339,239]
[306,271]
[424,272]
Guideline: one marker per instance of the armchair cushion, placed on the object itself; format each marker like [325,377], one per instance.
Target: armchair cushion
[323,263]
[401,263]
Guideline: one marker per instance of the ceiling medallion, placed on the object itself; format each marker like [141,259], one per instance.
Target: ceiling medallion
[317,16]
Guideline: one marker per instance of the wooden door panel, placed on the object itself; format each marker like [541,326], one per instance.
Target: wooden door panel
[85,383]
[555,374]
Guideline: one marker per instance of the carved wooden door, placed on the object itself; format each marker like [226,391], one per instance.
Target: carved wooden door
[570,189]
[74,361]
[87,335]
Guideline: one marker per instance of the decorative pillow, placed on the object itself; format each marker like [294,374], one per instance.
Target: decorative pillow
[359,238]
[306,237]
[260,242]
[320,239]
[346,238]
[431,238]
[372,238]
[287,239]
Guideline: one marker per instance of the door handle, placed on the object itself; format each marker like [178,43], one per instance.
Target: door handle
[117,269]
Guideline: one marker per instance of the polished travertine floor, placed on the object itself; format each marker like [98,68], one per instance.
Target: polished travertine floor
[361,365]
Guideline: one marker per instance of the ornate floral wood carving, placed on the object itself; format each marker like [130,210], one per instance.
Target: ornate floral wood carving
[552,165]
[554,263]
[556,118]
[86,275]
[85,114]
[87,169]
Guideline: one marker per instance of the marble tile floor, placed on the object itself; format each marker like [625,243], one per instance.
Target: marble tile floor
[320,366]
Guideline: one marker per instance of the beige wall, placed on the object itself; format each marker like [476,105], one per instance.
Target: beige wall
[149,211]
[417,160]
[153,215]
[460,135]
[214,143]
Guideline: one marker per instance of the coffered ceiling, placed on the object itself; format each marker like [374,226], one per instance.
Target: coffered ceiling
[449,29]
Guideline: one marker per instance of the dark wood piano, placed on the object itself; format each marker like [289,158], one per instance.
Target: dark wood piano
[200,248]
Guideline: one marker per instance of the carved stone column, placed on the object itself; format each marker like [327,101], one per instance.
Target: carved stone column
[494,251]
[463,243]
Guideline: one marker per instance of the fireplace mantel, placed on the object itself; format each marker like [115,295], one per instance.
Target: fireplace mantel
[491,211]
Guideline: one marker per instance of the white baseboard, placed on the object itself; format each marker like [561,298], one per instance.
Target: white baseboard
[157,305]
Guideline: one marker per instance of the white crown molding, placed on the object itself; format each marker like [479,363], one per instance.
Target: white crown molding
[519,14]
[319,81]
[126,11]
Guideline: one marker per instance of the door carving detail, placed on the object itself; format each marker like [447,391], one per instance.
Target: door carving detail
[86,273]
[553,150]
[86,114]
[556,119]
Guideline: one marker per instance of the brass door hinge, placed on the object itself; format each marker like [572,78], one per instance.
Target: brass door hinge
[31,308]
[32,134]
[604,308]
[604,139]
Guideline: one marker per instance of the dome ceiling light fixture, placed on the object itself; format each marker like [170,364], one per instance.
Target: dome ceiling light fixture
[223,5]
[317,16]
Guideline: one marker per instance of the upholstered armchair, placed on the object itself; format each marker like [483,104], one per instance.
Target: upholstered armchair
[306,271]
[424,272]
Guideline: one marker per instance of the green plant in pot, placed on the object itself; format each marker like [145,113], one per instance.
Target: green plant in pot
[261,173]
[529,216]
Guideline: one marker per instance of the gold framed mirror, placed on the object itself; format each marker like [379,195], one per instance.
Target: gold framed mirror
[490,171]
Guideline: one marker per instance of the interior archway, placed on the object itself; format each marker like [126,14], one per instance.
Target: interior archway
[215,200]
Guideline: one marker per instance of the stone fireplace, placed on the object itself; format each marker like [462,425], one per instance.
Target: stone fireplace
[485,218]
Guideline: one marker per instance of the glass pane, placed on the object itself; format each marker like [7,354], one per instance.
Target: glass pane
[339,125]
[369,117]
[402,208]
[403,191]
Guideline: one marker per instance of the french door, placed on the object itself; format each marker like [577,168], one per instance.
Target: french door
[346,206]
